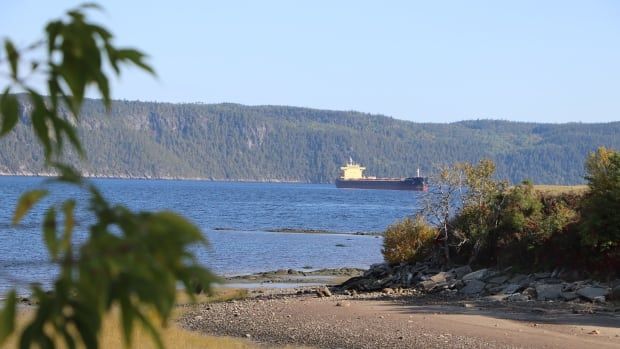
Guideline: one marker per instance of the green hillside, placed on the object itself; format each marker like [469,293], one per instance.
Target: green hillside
[237,142]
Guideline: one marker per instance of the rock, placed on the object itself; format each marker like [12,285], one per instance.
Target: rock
[343,304]
[476,275]
[428,285]
[441,277]
[614,295]
[494,288]
[546,292]
[498,279]
[456,284]
[591,293]
[594,332]
[248,336]
[364,283]
[518,279]
[517,297]
[461,271]
[379,269]
[539,276]
[569,296]
[530,292]
[407,279]
[387,290]
[472,287]
[323,292]
[510,289]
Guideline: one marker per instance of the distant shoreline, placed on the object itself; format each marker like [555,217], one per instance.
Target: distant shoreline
[163,178]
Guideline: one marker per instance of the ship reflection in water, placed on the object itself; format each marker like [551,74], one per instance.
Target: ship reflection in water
[352,177]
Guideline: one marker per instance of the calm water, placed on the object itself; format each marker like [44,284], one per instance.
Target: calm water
[235,217]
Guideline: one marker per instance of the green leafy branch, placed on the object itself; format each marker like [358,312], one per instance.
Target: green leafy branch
[130,260]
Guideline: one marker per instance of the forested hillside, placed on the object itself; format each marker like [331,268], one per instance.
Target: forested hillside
[236,142]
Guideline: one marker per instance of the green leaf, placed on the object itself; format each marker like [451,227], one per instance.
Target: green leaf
[7,316]
[104,88]
[127,315]
[9,109]
[67,173]
[26,202]
[134,56]
[53,30]
[39,114]
[13,57]
[146,323]
[49,232]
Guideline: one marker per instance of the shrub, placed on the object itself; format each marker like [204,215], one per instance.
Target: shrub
[601,224]
[409,240]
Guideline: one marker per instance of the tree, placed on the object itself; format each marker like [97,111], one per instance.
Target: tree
[601,222]
[444,198]
[482,203]
[464,203]
[130,260]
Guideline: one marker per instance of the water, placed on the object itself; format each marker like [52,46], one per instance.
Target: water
[235,217]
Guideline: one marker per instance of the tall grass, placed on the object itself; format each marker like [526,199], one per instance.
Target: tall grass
[172,335]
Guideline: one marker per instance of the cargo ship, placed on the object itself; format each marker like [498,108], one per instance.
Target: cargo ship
[353,177]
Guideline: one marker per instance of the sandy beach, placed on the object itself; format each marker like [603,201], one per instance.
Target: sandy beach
[298,317]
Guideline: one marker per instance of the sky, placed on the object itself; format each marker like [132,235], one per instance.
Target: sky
[424,61]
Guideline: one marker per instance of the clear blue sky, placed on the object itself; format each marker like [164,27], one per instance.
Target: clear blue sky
[548,61]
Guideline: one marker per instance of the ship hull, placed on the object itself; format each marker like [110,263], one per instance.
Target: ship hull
[414,183]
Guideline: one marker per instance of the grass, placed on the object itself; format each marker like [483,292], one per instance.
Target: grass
[172,335]
[559,189]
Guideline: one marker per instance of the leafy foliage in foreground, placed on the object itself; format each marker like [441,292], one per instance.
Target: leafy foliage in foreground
[132,261]
[236,142]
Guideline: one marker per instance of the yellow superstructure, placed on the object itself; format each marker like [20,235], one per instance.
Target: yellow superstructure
[352,171]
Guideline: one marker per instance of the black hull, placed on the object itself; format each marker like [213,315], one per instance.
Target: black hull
[415,184]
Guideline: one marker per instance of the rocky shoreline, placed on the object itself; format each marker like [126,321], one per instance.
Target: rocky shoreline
[501,285]
[342,317]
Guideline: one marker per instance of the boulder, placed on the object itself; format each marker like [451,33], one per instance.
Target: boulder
[498,279]
[495,289]
[530,292]
[461,271]
[511,288]
[442,277]
[430,285]
[476,275]
[458,284]
[518,279]
[379,269]
[546,292]
[592,293]
[569,296]
[472,287]
[362,283]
